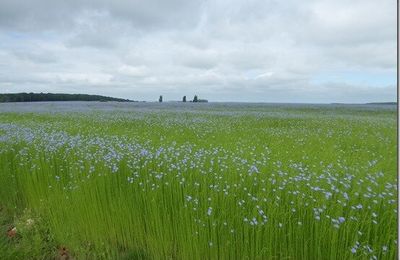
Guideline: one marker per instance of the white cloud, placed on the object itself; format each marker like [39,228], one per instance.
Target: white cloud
[223,50]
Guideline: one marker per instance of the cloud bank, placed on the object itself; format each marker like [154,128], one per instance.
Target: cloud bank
[257,50]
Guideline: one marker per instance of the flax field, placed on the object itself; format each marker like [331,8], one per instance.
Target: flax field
[105,180]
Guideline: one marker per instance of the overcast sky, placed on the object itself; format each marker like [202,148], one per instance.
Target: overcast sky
[254,50]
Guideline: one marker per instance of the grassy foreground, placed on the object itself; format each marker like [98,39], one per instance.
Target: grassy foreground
[198,181]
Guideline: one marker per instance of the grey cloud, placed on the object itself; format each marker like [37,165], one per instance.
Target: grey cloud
[243,50]
[51,15]
[39,56]
[206,59]
[93,29]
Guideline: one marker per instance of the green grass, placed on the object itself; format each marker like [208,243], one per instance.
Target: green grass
[206,182]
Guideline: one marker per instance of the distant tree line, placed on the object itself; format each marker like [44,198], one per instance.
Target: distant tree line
[195,99]
[34,97]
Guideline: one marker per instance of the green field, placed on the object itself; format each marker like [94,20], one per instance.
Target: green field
[198,181]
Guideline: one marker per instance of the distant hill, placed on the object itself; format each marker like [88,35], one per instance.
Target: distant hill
[382,103]
[34,97]
[372,103]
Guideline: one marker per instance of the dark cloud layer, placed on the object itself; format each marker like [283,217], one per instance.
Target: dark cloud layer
[223,50]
